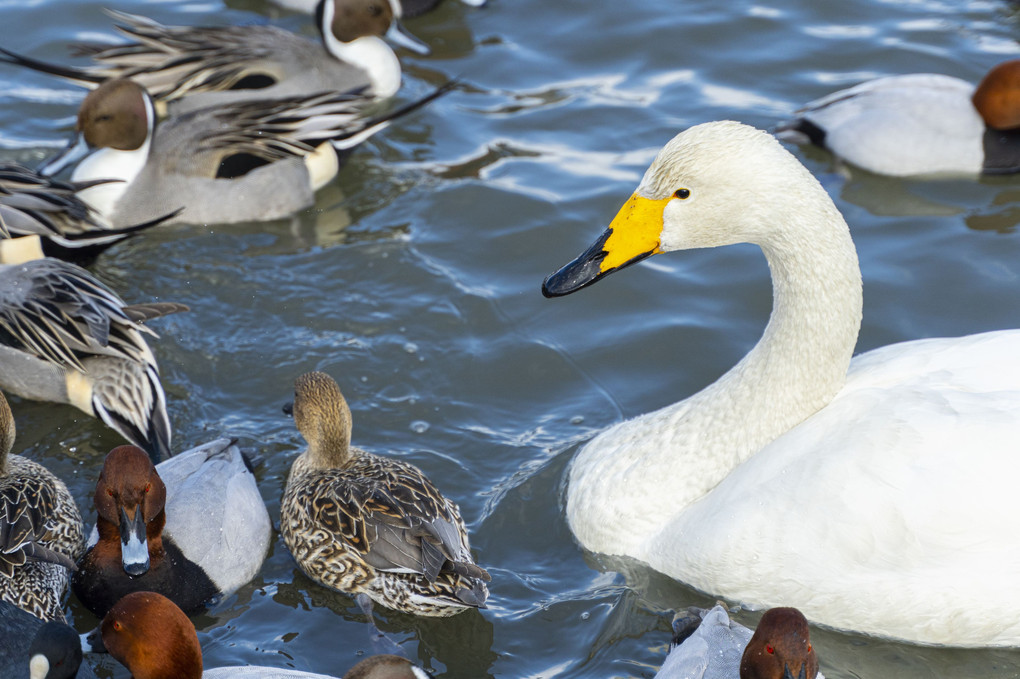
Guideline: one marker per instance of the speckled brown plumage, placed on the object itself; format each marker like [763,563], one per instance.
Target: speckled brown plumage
[41,533]
[363,523]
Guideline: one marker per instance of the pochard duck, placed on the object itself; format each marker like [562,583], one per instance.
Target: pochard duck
[801,477]
[369,525]
[67,338]
[41,533]
[43,217]
[154,639]
[919,124]
[708,645]
[191,67]
[194,528]
[245,161]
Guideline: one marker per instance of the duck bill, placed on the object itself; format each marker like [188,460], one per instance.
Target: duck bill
[399,36]
[787,674]
[92,642]
[134,546]
[632,236]
[75,150]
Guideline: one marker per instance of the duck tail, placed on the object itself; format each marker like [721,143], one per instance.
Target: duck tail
[75,75]
[359,133]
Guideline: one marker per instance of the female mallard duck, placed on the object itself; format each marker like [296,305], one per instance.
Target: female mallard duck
[368,525]
[881,500]
[41,534]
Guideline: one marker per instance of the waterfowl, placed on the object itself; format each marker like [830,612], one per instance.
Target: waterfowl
[369,525]
[248,161]
[67,338]
[41,533]
[154,639]
[193,528]
[919,124]
[33,649]
[791,479]
[708,645]
[192,67]
[43,217]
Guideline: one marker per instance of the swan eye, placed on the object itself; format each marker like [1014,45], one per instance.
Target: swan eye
[769,649]
[682,194]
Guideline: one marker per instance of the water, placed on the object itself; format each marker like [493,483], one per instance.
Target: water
[415,282]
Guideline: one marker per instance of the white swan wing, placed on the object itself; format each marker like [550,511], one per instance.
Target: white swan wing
[903,488]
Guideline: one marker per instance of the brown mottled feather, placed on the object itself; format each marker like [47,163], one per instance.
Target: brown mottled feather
[359,522]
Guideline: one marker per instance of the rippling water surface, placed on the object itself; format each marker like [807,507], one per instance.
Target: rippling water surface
[415,282]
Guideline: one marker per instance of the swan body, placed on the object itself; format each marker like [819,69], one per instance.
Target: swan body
[919,124]
[874,495]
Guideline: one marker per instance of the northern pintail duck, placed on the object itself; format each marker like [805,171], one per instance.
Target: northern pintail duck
[67,338]
[193,528]
[851,469]
[41,534]
[200,66]
[708,645]
[369,525]
[919,124]
[233,163]
[402,9]
[43,217]
[154,639]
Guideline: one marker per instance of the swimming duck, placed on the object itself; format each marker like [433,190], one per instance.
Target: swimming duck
[708,645]
[41,534]
[369,525]
[791,479]
[203,66]
[67,338]
[919,124]
[154,639]
[43,217]
[248,161]
[193,528]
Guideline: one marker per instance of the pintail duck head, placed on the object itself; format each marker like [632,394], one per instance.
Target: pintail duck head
[323,417]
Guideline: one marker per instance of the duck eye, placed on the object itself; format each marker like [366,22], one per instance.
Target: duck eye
[682,194]
[117,626]
[769,649]
[147,488]
[809,649]
[109,491]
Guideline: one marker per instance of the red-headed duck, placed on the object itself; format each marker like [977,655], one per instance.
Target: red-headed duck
[369,525]
[919,124]
[70,339]
[41,532]
[193,528]
[747,476]
[153,638]
[708,645]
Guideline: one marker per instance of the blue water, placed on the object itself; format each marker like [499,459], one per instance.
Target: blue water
[415,282]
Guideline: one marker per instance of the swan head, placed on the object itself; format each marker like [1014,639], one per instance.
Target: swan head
[714,184]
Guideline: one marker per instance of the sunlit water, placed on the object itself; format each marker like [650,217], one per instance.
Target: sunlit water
[415,282]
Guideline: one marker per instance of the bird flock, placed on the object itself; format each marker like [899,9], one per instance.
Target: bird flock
[223,124]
